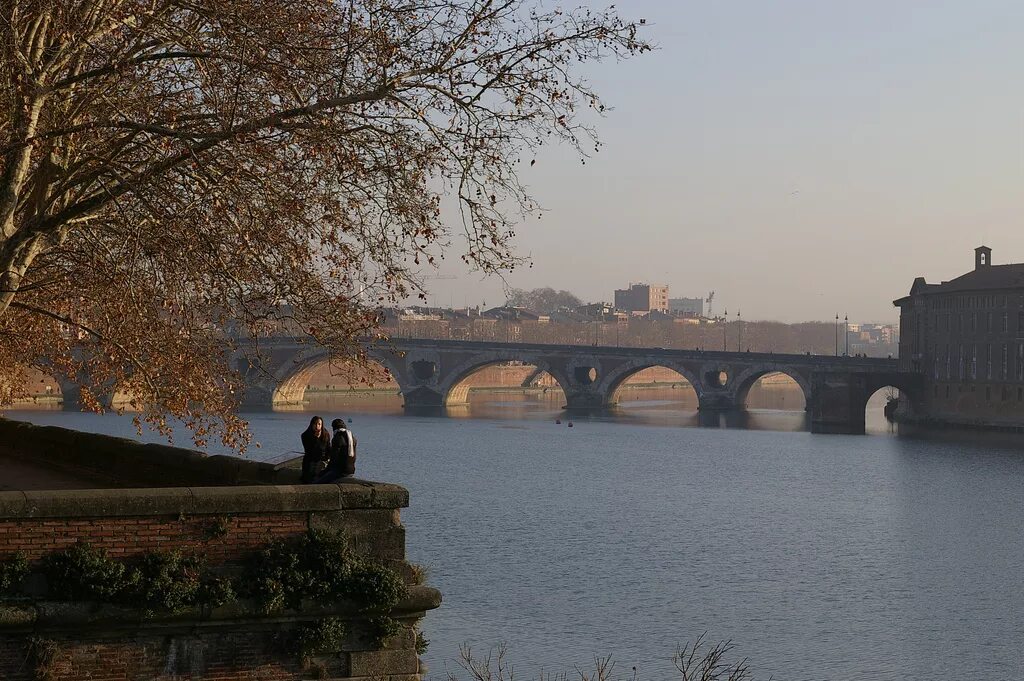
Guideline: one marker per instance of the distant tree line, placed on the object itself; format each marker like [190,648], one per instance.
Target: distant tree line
[542,300]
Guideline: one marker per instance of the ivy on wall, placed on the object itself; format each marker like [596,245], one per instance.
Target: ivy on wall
[322,567]
[12,572]
[316,567]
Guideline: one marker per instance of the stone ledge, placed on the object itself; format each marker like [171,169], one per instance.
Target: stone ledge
[72,615]
[150,501]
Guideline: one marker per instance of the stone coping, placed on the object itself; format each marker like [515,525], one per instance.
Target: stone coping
[150,501]
[66,614]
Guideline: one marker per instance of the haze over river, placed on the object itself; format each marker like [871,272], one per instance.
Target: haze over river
[820,556]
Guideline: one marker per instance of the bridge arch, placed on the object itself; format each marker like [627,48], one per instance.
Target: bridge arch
[456,386]
[612,382]
[906,394]
[748,378]
[292,378]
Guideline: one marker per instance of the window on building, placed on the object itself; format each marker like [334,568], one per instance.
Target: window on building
[1006,322]
[988,362]
[974,361]
[1020,323]
[948,376]
[960,362]
[1020,361]
[1004,373]
[990,322]
[974,322]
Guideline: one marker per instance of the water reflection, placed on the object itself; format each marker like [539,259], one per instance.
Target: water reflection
[772,407]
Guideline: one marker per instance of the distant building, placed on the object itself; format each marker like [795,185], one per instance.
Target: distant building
[642,298]
[966,337]
[686,307]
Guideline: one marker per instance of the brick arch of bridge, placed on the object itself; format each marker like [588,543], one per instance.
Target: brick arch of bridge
[292,376]
[841,398]
[454,386]
[909,388]
[610,383]
[747,377]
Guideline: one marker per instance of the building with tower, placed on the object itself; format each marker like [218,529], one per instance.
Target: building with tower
[965,337]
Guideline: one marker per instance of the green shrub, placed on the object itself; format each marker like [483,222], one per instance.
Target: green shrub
[422,643]
[374,587]
[83,573]
[324,636]
[165,582]
[155,583]
[215,592]
[322,566]
[12,571]
[380,628]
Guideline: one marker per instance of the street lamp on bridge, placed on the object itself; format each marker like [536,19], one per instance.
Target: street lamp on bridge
[837,334]
[739,330]
[846,321]
[725,328]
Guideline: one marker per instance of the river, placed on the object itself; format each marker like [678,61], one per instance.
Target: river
[820,556]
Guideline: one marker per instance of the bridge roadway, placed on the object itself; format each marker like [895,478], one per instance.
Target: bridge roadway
[431,375]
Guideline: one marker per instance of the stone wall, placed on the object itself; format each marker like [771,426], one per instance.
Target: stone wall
[120,462]
[66,641]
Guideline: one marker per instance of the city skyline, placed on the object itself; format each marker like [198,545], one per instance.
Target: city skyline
[800,160]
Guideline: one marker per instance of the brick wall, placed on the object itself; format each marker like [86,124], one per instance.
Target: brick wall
[124,537]
[222,524]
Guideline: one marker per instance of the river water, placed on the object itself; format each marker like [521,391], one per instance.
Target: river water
[820,556]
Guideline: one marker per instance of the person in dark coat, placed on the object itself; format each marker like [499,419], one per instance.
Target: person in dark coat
[343,454]
[316,445]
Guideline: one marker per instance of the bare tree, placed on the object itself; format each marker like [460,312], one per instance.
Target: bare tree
[178,173]
[694,662]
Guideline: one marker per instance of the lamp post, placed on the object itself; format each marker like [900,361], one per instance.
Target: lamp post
[739,330]
[725,328]
[837,334]
[846,322]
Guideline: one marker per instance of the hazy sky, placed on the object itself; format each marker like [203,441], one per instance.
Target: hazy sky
[798,157]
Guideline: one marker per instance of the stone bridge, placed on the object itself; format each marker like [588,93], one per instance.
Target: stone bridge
[431,375]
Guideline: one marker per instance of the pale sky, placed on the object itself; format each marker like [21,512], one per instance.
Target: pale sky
[800,158]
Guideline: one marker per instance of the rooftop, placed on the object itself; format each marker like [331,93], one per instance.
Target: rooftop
[984,277]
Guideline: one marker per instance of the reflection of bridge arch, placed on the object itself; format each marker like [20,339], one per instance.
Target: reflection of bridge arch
[748,378]
[455,388]
[613,382]
[292,378]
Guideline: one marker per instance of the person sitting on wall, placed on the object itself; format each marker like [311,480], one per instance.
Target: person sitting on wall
[316,445]
[343,454]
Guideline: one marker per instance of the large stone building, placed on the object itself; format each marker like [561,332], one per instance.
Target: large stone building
[966,337]
[642,298]
[687,307]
